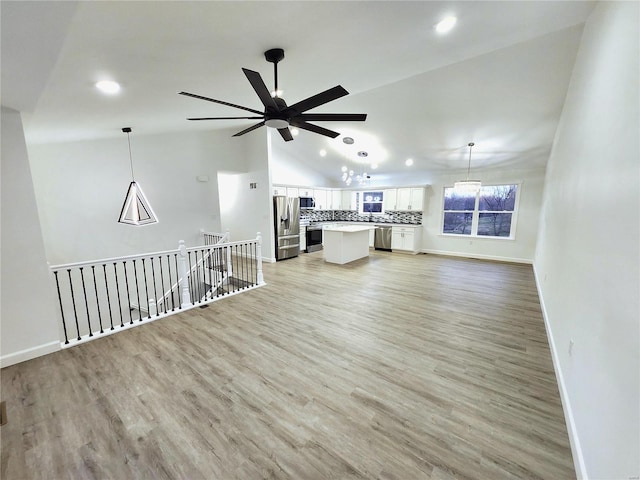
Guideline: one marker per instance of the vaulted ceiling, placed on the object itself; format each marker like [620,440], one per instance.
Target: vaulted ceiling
[498,79]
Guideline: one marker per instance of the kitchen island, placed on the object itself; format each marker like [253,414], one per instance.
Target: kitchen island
[346,243]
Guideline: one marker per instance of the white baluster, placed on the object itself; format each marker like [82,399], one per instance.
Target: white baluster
[259,259]
[183,273]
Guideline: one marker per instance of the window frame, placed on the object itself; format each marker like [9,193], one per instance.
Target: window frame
[476,213]
[361,205]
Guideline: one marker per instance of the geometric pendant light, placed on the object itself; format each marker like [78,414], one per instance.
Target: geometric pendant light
[136,209]
[468,187]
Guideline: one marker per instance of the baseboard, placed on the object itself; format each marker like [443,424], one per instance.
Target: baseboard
[29,353]
[574,440]
[478,256]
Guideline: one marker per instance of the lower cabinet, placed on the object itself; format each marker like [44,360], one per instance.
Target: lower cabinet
[303,239]
[406,239]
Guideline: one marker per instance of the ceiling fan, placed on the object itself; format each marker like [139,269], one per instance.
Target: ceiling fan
[277,114]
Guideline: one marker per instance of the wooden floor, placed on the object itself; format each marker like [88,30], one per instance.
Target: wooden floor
[392,367]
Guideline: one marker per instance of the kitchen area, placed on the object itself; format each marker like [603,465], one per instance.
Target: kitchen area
[387,219]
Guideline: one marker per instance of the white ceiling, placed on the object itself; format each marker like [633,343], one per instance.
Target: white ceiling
[498,79]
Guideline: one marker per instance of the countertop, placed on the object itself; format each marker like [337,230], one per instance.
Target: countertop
[367,224]
[349,228]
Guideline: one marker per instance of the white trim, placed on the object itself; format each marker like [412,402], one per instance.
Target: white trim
[29,353]
[574,440]
[480,256]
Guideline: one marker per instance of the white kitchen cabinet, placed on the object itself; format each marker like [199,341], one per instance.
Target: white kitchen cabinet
[390,197]
[293,192]
[336,200]
[347,200]
[303,238]
[320,197]
[410,199]
[279,190]
[406,239]
[305,192]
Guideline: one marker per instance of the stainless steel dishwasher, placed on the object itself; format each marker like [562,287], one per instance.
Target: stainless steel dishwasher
[382,238]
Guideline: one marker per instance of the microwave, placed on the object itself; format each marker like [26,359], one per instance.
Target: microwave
[307,202]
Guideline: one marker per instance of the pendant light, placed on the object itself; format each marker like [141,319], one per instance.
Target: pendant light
[468,187]
[136,209]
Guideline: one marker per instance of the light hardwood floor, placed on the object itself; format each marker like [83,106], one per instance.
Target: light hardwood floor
[392,367]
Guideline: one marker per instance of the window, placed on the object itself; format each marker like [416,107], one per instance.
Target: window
[489,213]
[371,202]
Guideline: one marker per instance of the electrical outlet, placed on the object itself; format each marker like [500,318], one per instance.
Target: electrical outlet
[570,347]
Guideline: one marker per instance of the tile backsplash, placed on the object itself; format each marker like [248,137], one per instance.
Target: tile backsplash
[311,215]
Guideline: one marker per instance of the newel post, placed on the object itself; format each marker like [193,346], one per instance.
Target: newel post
[183,274]
[259,259]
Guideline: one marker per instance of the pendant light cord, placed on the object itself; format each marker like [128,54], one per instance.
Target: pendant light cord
[130,158]
[468,166]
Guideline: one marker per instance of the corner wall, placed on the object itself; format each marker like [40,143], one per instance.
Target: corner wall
[520,249]
[587,257]
[80,188]
[28,322]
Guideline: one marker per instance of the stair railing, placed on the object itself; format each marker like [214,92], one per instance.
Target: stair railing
[101,297]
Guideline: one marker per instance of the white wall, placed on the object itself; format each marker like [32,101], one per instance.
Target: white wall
[520,249]
[28,322]
[80,189]
[246,211]
[286,169]
[587,257]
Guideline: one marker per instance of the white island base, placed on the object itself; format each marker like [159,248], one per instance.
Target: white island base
[346,243]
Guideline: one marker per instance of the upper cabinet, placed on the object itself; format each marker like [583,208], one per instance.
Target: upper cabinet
[406,198]
[320,197]
[410,199]
[347,200]
[390,199]
[278,190]
[293,192]
[305,192]
[334,198]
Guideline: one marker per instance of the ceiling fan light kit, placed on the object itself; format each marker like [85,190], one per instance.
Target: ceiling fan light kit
[468,187]
[277,114]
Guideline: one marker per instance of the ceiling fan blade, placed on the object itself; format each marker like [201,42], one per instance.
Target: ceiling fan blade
[200,97]
[226,118]
[316,100]
[250,129]
[261,89]
[333,117]
[296,122]
[285,133]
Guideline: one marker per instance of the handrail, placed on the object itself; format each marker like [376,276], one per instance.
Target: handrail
[88,263]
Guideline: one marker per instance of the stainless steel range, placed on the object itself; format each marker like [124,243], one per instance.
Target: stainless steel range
[314,238]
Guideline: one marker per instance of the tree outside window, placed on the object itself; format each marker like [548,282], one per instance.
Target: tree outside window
[489,213]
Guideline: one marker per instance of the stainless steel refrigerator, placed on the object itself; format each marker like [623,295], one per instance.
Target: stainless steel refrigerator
[286,216]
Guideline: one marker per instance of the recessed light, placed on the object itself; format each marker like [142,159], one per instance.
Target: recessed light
[108,86]
[348,140]
[362,153]
[323,153]
[409,162]
[446,24]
